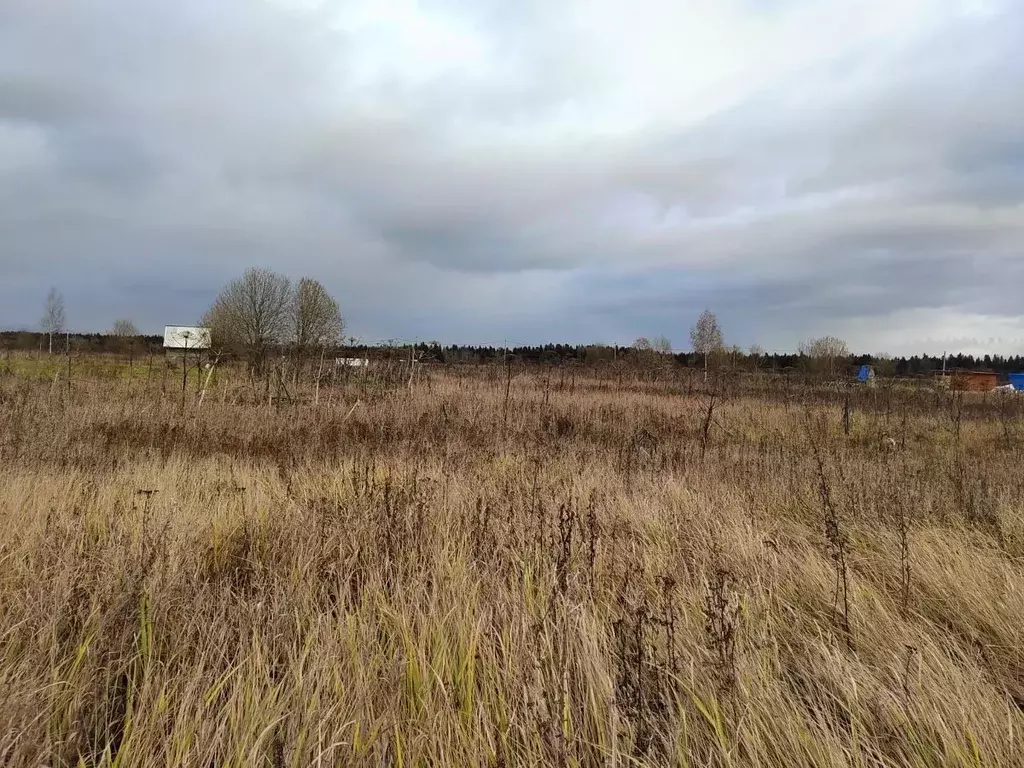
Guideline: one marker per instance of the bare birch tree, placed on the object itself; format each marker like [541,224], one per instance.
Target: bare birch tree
[54,317]
[706,337]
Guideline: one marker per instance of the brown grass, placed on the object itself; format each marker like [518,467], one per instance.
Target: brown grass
[441,576]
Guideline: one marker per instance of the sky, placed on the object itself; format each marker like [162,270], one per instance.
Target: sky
[485,171]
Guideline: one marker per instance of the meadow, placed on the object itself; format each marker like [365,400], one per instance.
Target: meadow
[506,566]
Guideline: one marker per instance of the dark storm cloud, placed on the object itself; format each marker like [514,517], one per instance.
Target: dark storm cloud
[527,172]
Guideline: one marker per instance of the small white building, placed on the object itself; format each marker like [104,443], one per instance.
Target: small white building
[351,362]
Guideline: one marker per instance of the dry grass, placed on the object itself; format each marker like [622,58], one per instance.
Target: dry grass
[574,576]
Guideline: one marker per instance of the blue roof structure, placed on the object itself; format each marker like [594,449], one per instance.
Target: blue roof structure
[1017,381]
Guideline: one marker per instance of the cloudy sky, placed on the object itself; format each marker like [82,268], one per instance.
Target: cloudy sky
[539,170]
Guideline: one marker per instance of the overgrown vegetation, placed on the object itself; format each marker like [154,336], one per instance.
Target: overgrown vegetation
[499,566]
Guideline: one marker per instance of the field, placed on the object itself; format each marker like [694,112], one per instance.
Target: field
[507,567]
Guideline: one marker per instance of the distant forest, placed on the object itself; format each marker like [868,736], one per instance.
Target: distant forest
[547,354]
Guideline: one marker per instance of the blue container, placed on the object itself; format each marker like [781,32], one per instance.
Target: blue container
[1017,380]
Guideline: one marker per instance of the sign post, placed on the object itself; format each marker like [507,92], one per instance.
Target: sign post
[185,337]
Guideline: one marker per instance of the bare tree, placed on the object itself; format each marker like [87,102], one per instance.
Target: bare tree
[643,352]
[824,353]
[251,314]
[124,328]
[755,355]
[706,336]
[662,345]
[126,333]
[54,316]
[884,364]
[315,318]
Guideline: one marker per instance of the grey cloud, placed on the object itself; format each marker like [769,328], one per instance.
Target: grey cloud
[182,142]
[24,99]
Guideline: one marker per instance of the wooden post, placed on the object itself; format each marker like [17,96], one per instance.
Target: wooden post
[67,349]
[184,374]
[319,373]
[163,379]
[508,389]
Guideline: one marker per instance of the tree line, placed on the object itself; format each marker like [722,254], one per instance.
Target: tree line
[728,359]
[264,313]
[544,354]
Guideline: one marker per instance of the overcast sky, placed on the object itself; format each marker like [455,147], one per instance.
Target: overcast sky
[538,170]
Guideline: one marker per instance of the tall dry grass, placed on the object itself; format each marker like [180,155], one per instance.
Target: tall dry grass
[490,570]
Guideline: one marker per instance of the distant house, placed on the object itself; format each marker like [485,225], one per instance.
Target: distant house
[351,362]
[973,381]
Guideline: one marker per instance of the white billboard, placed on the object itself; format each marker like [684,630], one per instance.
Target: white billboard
[186,337]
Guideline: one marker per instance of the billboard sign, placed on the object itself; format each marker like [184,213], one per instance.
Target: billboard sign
[186,337]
